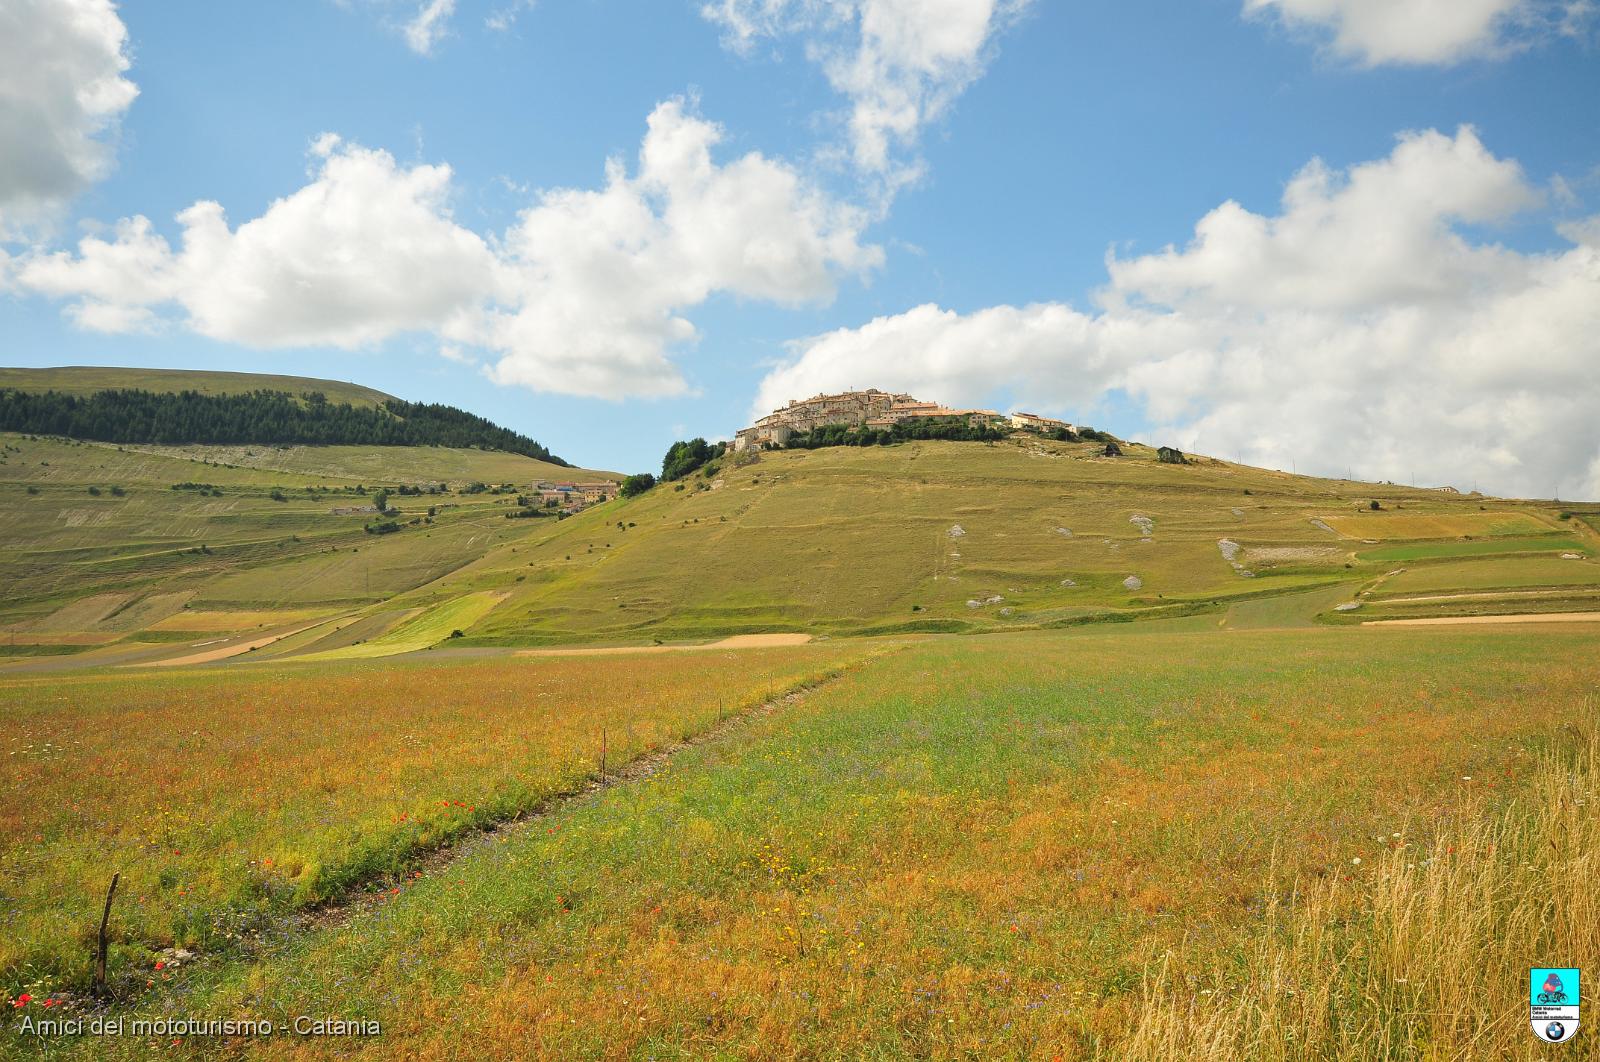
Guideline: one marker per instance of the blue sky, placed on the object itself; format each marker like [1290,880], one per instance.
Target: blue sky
[1035,139]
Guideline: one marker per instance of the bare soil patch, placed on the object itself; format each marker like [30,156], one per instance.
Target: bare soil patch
[1524,617]
[737,641]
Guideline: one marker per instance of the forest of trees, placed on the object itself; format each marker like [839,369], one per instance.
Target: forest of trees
[132,416]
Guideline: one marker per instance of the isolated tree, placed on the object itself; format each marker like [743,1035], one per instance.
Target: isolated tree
[381,500]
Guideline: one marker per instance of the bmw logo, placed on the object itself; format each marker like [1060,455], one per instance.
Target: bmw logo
[1554,1031]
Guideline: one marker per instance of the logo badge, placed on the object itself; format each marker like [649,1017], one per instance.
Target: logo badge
[1553,996]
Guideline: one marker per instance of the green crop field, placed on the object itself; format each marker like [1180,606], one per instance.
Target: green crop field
[1508,573]
[435,625]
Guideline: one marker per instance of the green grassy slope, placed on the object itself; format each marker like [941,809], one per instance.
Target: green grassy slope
[929,536]
[79,562]
[87,379]
[950,537]
[376,464]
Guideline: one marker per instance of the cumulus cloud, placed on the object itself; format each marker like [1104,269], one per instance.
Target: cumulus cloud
[585,294]
[901,63]
[62,94]
[1362,327]
[1426,32]
[599,278]
[364,251]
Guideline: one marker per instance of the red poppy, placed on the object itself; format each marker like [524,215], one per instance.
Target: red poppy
[22,1000]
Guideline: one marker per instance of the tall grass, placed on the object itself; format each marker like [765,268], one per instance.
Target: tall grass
[1424,956]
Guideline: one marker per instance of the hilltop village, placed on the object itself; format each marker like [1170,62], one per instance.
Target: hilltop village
[874,409]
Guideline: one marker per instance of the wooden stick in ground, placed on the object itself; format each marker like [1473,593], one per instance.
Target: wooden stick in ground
[602,754]
[105,919]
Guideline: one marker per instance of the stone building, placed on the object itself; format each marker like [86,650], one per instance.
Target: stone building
[870,409]
[574,496]
[1034,422]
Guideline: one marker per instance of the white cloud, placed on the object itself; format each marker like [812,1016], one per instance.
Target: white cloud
[586,294]
[600,278]
[901,63]
[1360,327]
[62,93]
[430,23]
[1427,32]
[503,19]
[364,251]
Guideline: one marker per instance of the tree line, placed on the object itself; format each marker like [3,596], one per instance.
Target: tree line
[957,429]
[136,416]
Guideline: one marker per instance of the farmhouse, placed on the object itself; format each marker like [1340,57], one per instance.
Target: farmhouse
[1034,422]
[574,496]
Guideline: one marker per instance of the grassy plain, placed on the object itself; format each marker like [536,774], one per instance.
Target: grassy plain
[1048,844]
[228,798]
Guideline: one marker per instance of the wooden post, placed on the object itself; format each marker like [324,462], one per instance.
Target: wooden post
[105,918]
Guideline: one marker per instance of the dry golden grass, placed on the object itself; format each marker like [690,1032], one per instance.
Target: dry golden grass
[1425,957]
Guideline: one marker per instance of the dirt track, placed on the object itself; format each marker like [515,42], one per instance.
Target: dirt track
[1524,617]
[738,641]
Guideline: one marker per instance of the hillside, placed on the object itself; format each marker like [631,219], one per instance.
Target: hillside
[932,537]
[102,546]
[939,536]
[87,379]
